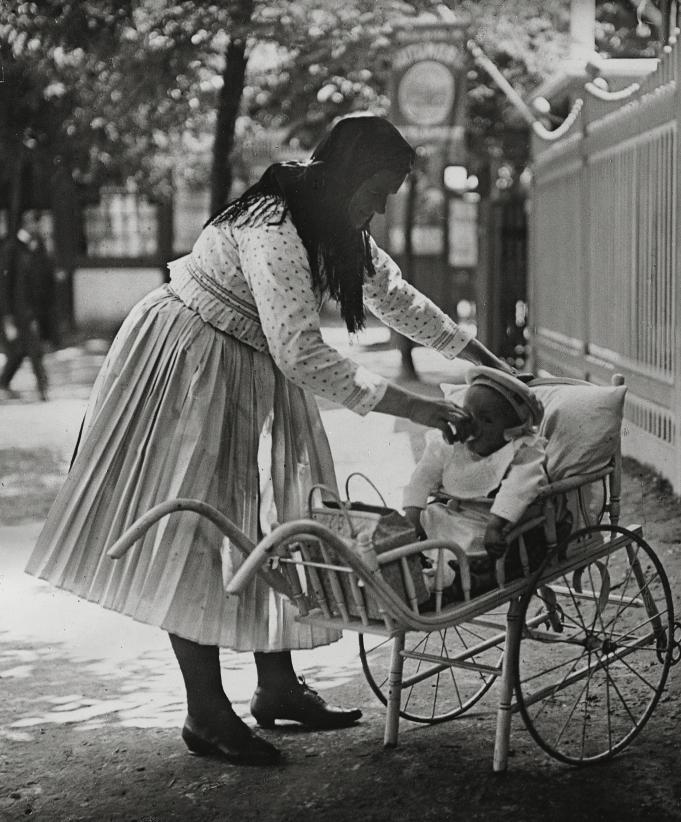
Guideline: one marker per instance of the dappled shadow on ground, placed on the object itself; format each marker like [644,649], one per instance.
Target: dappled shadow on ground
[87,667]
[85,742]
[91,733]
[52,688]
[47,685]
[88,736]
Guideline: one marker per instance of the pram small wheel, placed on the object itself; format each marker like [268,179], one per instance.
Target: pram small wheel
[434,691]
[596,646]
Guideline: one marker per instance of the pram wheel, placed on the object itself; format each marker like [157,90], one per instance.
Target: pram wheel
[434,691]
[595,648]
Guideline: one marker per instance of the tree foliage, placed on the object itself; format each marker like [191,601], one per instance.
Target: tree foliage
[630,28]
[105,87]
[337,59]
[114,89]
[343,64]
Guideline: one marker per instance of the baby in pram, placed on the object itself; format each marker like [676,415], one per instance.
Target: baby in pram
[483,484]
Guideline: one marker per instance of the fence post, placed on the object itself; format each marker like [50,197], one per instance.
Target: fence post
[585,238]
[676,273]
[486,283]
[621,177]
[164,234]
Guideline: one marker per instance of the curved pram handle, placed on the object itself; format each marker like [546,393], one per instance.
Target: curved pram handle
[139,528]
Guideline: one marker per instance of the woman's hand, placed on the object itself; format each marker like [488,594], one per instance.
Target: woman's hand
[452,420]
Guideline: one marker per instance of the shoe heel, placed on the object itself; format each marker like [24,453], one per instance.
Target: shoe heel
[195,744]
[264,721]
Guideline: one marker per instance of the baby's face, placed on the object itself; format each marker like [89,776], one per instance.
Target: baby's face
[492,415]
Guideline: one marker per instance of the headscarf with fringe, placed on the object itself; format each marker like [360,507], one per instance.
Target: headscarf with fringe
[317,193]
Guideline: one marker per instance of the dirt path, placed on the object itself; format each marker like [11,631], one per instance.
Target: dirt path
[87,770]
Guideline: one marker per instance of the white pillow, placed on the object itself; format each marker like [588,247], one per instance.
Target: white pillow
[581,423]
[454,391]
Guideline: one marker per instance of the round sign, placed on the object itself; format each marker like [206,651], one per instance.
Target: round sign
[426,93]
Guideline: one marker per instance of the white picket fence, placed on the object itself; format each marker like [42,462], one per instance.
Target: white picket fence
[605,286]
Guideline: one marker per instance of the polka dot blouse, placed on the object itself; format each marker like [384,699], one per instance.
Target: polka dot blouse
[255,284]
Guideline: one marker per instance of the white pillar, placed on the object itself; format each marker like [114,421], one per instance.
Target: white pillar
[676,274]
[582,29]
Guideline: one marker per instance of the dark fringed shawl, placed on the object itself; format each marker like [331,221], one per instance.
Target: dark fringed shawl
[316,194]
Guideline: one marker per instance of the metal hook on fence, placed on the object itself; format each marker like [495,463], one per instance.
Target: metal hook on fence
[517,101]
[611,96]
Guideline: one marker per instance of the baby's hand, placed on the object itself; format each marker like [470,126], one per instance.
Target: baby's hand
[413,514]
[463,428]
[495,541]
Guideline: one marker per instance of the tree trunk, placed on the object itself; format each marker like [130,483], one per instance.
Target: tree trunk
[228,106]
[404,344]
[66,216]
[18,195]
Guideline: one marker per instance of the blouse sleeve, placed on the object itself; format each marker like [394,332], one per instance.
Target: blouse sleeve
[402,307]
[427,476]
[275,266]
[523,481]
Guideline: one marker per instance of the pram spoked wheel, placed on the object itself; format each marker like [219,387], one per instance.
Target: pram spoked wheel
[433,691]
[595,648]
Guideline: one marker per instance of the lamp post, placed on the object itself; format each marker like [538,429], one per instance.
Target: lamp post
[461,241]
[454,181]
[428,104]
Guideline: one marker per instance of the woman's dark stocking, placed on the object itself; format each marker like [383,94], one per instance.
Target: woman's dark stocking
[211,727]
[200,667]
[275,670]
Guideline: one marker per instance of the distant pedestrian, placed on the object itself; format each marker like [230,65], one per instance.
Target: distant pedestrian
[26,299]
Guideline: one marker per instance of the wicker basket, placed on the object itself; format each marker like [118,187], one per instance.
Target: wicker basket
[388,529]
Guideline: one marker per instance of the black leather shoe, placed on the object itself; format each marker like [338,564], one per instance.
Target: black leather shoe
[300,704]
[240,747]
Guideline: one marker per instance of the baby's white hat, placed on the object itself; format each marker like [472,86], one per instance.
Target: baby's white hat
[526,405]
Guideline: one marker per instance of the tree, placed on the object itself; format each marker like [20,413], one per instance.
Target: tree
[333,60]
[93,93]
[632,28]
[81,94]
[103,91]
[340,61]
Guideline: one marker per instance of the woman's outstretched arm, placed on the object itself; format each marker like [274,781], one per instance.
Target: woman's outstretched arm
[474,351]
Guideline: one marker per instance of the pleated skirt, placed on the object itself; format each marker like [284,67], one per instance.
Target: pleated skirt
[181,409]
